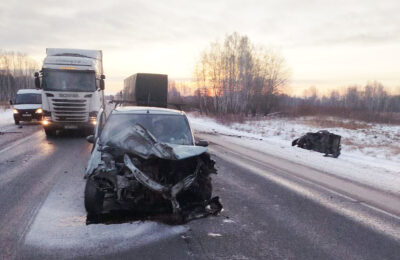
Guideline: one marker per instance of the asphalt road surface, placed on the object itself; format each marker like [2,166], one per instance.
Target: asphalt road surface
[273,209]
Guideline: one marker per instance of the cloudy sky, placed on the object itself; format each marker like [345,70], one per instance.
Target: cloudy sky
[325,43]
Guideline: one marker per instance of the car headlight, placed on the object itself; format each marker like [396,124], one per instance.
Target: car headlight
[15,111]
[39,111]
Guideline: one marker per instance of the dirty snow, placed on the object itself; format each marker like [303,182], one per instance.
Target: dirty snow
[370,152]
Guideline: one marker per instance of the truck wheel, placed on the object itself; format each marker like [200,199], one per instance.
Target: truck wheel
[16,122]
[93,198]
[50,132]
[89,131]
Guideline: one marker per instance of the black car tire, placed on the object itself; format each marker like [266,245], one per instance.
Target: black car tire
[94,198]
[50,132]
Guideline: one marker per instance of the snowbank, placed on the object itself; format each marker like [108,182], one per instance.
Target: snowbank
[370,154]
[6,116]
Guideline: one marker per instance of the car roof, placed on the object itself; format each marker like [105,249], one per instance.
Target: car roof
[29,91]
[146,110]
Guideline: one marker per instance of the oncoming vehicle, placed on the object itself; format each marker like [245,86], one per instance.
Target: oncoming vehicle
[146,159]
[27,105]
[72,81]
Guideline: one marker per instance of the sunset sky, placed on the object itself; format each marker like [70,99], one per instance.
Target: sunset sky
[325,43]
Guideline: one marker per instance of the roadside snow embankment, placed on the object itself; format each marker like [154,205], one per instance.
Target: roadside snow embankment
[370,152]
[6,117]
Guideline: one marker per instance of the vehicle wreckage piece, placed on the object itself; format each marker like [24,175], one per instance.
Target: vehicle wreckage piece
[153,177]
[322,141]
[167,192]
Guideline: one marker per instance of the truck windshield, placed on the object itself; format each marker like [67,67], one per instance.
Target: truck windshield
[60,80]
[172,129]
[28,98]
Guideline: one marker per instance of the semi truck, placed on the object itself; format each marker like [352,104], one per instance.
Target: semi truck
[145,89]
[72,83]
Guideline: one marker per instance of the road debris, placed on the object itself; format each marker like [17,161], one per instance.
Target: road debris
[9,132]
[214,235]
[322,141]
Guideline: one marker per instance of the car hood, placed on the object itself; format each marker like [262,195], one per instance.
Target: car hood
[137,140]
[140,142]
[27,106]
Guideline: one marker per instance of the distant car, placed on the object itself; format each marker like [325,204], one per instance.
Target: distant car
[147,158]
[27,105]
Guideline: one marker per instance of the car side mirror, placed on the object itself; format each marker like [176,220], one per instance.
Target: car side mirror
[90,139]
[11,102]
[37,80]
[102,87]
[203,143]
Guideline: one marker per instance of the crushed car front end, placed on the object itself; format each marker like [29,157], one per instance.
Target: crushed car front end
[137,171]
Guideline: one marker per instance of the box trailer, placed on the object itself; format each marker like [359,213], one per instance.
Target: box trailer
[145,89]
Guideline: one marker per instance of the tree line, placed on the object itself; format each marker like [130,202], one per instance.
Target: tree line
[373,97]
[16,72]
[235,76]
[371,102]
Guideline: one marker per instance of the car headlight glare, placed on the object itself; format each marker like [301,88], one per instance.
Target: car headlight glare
[39,111]
[15,111]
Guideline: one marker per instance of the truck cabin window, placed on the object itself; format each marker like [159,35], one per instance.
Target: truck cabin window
[28,99]
[60,80]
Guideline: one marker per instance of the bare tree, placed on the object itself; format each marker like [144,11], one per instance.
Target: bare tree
[16,72]
[236,77]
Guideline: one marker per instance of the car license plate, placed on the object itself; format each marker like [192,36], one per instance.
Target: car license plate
[26,115]
[71,127]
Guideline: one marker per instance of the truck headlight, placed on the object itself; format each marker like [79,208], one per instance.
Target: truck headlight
[39,111]
[93,120]
[15,111]
[46,120]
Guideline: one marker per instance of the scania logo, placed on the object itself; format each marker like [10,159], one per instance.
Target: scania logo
[68,95]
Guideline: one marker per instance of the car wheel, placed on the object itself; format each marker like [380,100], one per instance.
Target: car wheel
[50,132]
[94,198]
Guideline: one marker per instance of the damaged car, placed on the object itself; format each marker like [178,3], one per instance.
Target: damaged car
[322,141]
[146,160]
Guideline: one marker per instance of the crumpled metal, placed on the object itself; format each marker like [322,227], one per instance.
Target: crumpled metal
[138,141]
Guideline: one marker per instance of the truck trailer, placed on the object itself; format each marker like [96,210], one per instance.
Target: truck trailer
[72,81]
[145,89]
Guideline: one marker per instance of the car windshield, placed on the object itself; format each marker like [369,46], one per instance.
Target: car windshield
[28,98]
[173,129]
[59,80]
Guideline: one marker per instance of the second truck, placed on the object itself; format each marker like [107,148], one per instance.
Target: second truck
[72,81]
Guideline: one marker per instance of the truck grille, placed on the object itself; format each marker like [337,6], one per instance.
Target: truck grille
[70,110]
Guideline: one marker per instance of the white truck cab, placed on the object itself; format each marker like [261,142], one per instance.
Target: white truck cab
[72,81]
[27,105]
